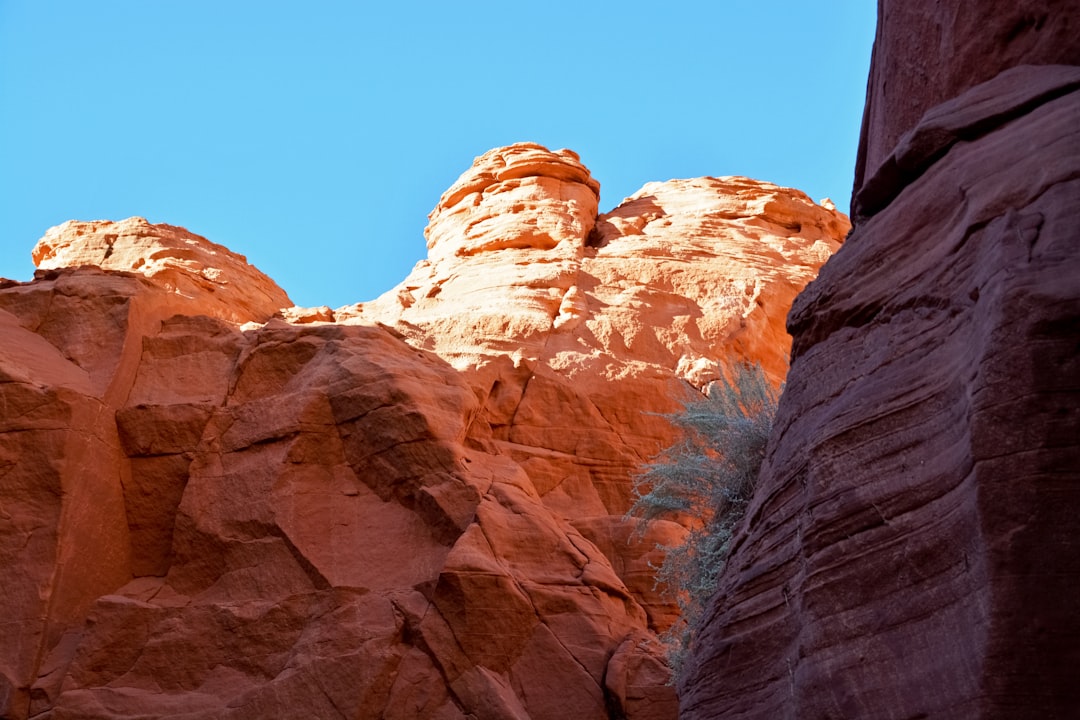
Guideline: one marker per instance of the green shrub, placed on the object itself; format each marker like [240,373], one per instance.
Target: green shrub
[708,475]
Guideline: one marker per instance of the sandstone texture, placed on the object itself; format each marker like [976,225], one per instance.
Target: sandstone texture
[927,53]
[911,551]
[222,282]
[409,508]
[520,266]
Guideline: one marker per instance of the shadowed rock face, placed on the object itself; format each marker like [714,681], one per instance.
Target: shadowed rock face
[410,508]
[927,53]
[911,551]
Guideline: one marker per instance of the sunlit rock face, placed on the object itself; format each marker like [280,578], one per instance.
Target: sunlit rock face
[911,549]
[520,266]
[409,508]
[219,280]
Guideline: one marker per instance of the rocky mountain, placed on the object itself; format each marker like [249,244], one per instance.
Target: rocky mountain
[216,505]
[912,550]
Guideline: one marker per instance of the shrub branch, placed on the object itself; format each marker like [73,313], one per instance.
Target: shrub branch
[708,475]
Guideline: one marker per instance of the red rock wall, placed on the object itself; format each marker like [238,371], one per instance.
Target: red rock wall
[912,547]
[410,508]
[282,522]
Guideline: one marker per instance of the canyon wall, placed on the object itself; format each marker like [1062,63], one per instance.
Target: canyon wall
[216,505]
[911,551]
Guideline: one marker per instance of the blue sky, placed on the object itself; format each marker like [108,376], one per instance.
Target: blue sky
[314,137]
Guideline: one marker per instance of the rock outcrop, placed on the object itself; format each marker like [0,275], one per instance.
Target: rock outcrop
[911,550]
[409,508]
[221,282]
[521,266]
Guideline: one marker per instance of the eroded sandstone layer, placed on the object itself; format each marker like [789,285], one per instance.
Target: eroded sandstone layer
[409,508]
[912,550]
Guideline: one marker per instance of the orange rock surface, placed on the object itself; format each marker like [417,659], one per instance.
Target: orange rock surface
[408,508]
[679,275]
[219,280]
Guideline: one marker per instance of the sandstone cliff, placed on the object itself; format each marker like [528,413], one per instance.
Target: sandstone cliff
[409,508]
[912,551]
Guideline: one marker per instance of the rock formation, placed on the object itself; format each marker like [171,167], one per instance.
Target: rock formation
[911,551]
[409,508]
[222,283]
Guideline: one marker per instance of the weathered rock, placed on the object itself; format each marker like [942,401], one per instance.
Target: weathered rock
[63,539]
[661,289]
[911,551]
[926,54]
[220,281]
[406,509]
[603,317]
[520,266]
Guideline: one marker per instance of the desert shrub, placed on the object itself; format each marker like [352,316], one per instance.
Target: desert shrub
[708,476]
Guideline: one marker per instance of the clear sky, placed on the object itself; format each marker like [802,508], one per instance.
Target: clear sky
[314,137]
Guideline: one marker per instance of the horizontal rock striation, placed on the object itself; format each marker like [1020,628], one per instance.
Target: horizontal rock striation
[909,551]
[409,508]
[926,54]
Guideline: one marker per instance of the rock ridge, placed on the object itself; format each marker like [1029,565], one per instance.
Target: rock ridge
[187,264]
[569,271]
